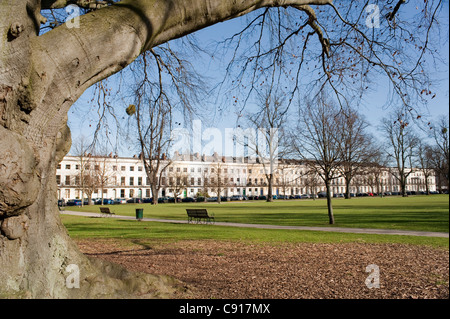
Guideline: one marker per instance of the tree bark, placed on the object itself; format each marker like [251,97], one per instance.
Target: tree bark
[348,181]
[329,204]
[270,186]
[155,192]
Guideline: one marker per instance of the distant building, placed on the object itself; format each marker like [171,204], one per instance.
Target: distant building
[188,175]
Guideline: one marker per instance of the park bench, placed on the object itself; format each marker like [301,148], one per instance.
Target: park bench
[106,212]
[197,215]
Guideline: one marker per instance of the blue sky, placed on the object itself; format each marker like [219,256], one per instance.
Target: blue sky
[82,121]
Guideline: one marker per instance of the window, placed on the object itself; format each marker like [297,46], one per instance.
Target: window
[59,166]
[77,166]
[185,169]
[199,181]
[67,166]
[131,181]
[122,181]
[115,168]
[122,168]
[58,179]
[67,181]
[139,181]
[131,168]
[178,169]
[139,168]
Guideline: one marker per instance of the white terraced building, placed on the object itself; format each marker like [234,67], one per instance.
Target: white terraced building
[115,177]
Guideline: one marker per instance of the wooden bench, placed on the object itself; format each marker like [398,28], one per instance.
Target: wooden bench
[197,215]
[106,212]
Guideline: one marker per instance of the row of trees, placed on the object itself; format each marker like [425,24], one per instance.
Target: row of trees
[334,141]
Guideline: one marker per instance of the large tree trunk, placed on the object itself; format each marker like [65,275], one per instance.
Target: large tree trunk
[329,204]
[155,193]
[270,191]
[348,181]
[35,249]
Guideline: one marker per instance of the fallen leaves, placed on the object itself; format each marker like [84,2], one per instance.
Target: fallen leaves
[226,269]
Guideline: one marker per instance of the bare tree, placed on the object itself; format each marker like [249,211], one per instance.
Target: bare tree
[218,179]
[268,122]
[101,172]
[284,177]
[377,168]
[317,139]
[177,180]
[355,146]
[440,155]
[154,139]
[402,144]
[311,180]
[84,179]
[425,163]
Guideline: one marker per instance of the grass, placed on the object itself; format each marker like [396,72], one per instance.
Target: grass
[428,213]
[129,230]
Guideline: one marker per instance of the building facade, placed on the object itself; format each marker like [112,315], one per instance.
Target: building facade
[192,175]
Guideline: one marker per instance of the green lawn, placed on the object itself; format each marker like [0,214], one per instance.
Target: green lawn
[426,213]
[148,232]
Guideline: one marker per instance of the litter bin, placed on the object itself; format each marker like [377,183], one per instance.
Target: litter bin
[139,213]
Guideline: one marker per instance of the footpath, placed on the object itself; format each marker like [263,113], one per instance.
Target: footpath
[263,226]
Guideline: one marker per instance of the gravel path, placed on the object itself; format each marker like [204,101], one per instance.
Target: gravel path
[229,269]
